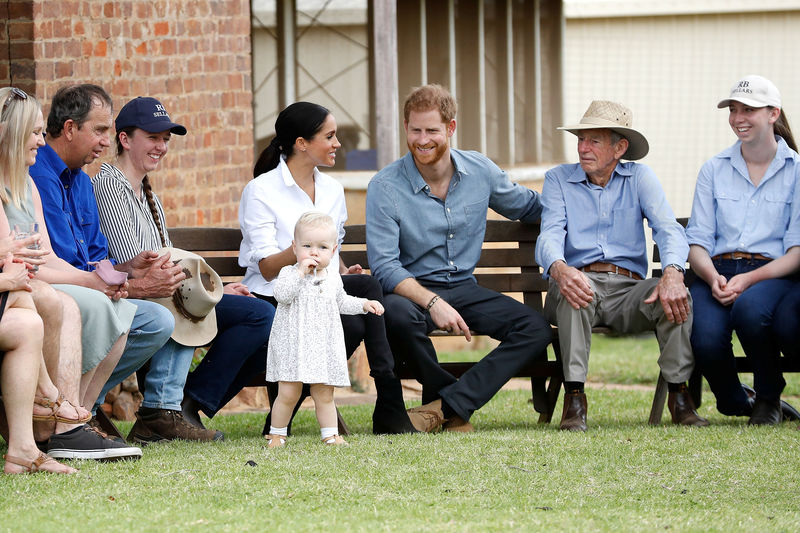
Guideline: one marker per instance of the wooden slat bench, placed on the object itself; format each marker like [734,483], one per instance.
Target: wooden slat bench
[507,265]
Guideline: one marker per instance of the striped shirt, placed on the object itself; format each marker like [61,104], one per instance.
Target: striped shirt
[125,217]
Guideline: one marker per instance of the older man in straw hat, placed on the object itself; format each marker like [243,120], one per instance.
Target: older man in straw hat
[592,246]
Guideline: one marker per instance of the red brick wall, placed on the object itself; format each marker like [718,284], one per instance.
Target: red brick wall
[193,55]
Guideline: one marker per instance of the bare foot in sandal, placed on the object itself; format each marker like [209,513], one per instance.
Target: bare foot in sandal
[59,409]
[42,463]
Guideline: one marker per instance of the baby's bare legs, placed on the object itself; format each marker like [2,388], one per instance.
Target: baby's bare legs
[323,404]
[288,394]
[326,413]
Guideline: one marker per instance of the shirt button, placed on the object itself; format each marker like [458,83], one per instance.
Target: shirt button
[81,241]
[451,235]
[448,209]
[451,263]
[753,202]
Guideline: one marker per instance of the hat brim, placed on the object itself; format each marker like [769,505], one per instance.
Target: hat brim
[187,332]
[746,101]
[154,127]
[638,147]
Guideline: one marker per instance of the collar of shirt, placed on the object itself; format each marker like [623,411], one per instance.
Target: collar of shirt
[418,183]
[734,154]
[579,176]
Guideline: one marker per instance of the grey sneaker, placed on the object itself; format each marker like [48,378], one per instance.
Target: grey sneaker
[86,442]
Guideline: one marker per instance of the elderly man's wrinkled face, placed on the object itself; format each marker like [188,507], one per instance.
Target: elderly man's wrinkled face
[598,155]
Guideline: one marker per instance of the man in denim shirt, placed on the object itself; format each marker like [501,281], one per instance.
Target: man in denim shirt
[592,245]
[426,217]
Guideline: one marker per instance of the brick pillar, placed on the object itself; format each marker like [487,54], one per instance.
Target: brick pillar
[193,55]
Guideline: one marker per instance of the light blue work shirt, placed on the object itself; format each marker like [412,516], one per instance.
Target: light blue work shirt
[583,223]
[730,214]
[411,233]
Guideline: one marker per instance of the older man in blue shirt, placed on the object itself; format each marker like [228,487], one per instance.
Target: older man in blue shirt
[592,246]
[426,216]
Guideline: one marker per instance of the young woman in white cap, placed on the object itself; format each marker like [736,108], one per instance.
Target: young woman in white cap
[745,243]
[132,218]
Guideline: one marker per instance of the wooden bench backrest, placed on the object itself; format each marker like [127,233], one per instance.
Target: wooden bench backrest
[507,263]
[656,273]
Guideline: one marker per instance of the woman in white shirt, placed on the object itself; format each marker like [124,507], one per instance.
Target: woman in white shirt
[288,183]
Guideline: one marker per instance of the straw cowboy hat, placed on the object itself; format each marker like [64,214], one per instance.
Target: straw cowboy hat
[193,303]
[615,117]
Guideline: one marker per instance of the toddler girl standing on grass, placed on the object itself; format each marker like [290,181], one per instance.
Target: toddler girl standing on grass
[306,344]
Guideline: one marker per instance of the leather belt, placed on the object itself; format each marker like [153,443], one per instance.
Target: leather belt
[609,267]
[741,255]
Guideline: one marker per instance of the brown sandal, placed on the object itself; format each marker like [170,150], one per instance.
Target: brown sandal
[335,440]
[36,465]
[275,441]
[55,407]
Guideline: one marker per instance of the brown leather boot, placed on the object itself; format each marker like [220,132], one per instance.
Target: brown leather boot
[681,407]
[573,417]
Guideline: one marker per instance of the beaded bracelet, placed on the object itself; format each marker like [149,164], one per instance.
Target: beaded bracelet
[433,301]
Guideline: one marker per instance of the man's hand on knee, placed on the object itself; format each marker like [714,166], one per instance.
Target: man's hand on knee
[448,319]
[573,284]
[674,296]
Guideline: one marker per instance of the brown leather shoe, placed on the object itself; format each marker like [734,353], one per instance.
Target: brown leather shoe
[573,417]
[428,417]
[458,425]
[681,407]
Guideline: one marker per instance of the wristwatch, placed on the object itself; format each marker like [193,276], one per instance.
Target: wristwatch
[676,267]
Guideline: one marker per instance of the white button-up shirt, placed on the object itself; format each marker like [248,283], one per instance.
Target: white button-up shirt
[268,211]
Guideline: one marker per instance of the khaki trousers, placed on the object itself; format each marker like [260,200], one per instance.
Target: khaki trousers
[619,304]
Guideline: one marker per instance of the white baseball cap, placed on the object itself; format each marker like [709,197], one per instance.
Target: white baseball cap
[755,91]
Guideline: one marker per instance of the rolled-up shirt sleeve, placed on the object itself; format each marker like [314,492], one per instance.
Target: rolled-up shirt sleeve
[667,232]
[383,236]
[550,244]
[258,222]
[792,236]
[702,230]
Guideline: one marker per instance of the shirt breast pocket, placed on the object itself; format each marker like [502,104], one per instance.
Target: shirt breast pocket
[730,210]
[628,225]
[475,217]
[777,210]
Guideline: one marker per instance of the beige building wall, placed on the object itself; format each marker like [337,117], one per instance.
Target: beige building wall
[671,62]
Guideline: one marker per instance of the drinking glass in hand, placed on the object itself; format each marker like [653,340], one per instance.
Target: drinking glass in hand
[20,234]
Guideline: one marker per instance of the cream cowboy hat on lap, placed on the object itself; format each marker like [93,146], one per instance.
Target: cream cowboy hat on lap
[603,114]
[193,303]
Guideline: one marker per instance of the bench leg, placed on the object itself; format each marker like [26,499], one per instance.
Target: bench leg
[553,390]
[107,425]
[659,399]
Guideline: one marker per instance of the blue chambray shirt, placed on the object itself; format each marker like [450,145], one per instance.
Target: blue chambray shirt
[730,214]
[584,223]
[411,233]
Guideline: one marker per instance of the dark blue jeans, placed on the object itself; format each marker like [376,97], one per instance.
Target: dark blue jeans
[787,323]
[238,353]
[523,334]
[751,316]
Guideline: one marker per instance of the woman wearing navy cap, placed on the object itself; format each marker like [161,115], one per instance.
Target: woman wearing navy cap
[132,218]
[745,240]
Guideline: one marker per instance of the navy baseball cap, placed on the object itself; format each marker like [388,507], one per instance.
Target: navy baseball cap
[147,114]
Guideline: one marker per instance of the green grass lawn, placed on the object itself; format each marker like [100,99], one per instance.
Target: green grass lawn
[510,474]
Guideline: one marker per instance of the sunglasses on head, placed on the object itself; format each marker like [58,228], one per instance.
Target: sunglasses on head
[15,93]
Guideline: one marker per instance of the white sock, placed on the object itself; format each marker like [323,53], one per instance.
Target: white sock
[279,431]
[327,433]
